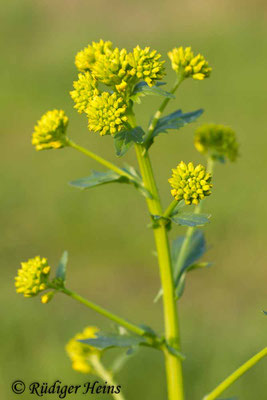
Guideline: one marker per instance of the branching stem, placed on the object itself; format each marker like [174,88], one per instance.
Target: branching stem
[236,375]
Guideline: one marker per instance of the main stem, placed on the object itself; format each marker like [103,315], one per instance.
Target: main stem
[173,364]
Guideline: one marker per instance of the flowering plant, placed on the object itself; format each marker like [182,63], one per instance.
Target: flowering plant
[110,83]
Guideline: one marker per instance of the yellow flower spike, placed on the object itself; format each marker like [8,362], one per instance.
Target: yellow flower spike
[217,141]
[50,131]
[85,88]
[86,58]
[80,353]
[106,114]
[190,183]
[32,277]
[186,65]
[146,65]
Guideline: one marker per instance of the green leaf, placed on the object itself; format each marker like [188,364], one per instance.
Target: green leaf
[61,269]
[197,248]
[97,179]
[137,181]
[264,312]
[125,139]
[142,89]
[176,120]
[103,342]
[190,219]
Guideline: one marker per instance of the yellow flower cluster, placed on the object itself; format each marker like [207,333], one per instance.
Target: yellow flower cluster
[50,131]
[103,64]
[218,141]
[86,58]
[80,353]
[84,90]
[145,65]
[32,277]
[186,65]
[106,114]
[190,183]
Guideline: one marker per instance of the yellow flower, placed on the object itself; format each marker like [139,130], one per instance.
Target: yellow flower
[145,65]
[190,183]
[84,89]
[50,131]
[32,277]
[186,65]
[106,114]
[218,141]
[86,58]
[81,353]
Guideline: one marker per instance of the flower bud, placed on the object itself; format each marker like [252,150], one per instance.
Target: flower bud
[217,141]
[50,131]
[47,297]
[190,183]
[186,65]
[32,277]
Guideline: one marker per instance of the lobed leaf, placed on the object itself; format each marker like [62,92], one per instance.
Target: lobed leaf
[103,342]
[143,89]
[176,120]
[125,139]
[96,179]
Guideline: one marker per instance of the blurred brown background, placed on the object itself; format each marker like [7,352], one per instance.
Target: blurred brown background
[104,230]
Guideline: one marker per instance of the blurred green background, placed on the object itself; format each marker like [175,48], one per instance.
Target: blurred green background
[104,230]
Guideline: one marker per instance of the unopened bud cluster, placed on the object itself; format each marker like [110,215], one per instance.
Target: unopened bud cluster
[50,131]
[186,65]
[217,141]
[32,277]
[81,353]
[190,183]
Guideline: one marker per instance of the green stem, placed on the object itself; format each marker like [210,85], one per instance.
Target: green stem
[99,159]
[190,231]
[169,210]
[173,364]
[236,375]
[120,321]
[106,375]
[159,112]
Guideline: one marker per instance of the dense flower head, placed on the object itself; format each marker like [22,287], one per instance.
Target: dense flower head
[85,88]
[81,353]
[86,58]
[50,131]
[32,277]
[186,65]
[106,114]
[190,183]
[146,65]
[111,68]
[218,141]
